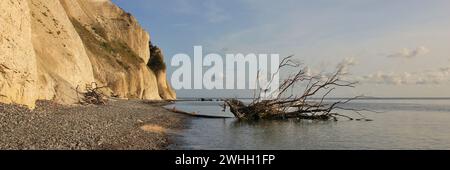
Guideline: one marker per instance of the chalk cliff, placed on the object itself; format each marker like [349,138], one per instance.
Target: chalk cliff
[50,47]
[18,68]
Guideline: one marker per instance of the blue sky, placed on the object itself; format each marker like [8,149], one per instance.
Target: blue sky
[396,47]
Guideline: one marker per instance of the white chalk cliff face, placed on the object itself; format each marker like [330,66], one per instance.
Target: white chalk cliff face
[18,68]
[62,61]
[49,47]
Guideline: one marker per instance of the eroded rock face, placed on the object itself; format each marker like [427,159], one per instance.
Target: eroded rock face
[17,58]
[117,47]
[62,61]
[49,47]
[110,22]
[157,64]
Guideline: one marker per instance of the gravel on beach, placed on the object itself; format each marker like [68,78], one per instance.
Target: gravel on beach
[119,125]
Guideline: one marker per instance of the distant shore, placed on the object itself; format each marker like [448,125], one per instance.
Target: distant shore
[119,125]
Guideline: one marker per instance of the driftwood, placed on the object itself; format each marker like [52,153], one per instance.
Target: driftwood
[193,114]
[309,104]
[92,95]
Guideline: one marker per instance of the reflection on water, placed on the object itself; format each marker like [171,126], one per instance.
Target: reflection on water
[403,124]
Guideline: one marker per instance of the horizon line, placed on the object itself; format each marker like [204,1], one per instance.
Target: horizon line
[333,98]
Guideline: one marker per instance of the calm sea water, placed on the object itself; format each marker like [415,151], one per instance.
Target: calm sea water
[402,124]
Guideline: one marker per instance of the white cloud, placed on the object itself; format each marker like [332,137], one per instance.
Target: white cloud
[410,53]
[438,76]
[311,72]
[347,63]
[445,70]
[387,78]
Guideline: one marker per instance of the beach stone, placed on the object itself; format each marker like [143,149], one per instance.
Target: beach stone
[64,127]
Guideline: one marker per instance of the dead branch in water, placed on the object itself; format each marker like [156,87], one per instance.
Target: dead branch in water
[300,106]
[92,95]
[193,114]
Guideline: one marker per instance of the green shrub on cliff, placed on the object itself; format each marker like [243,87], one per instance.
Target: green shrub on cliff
[117,53]
[156,62]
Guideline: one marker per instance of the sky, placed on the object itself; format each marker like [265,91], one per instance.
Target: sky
[394,48]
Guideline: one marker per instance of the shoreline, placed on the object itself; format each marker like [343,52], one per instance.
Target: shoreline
[119,125]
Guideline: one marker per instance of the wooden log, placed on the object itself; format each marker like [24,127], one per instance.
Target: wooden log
[194,114]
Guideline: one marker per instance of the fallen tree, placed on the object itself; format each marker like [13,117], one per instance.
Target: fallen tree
[92,95]
[195,114]
[309,104]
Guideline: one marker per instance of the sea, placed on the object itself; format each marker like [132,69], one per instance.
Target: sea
[397,124]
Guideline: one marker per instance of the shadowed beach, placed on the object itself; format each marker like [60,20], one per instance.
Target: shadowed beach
[119,125]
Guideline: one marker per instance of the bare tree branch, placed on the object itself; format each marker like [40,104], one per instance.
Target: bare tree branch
[292,105]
